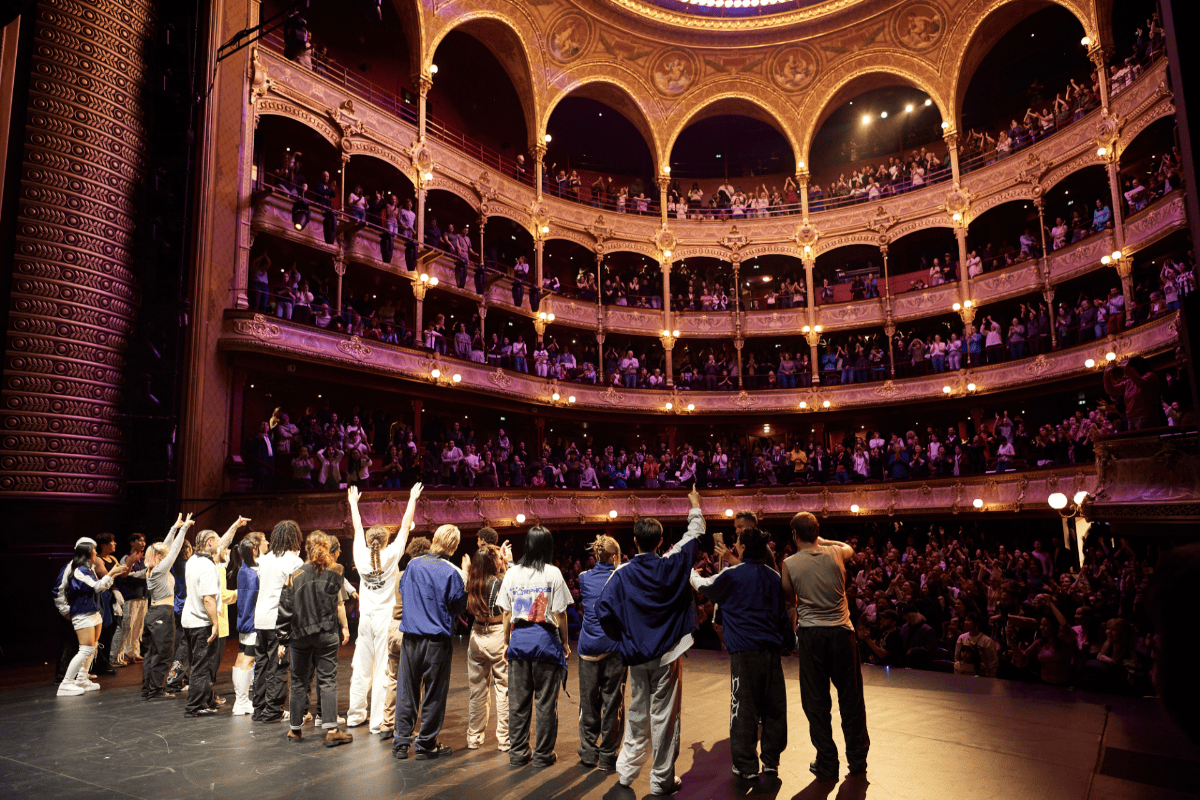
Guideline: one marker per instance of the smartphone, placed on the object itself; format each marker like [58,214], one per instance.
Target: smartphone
[719,538]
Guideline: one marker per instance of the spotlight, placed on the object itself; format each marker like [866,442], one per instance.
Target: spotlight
[977,502]
[300,215]
[1058,500]
[520,519]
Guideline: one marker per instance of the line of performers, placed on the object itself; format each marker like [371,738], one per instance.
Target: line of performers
[638,618]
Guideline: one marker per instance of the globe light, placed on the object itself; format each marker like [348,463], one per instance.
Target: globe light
[1116,256]
[433,68]
[825,404]
[1101,152]
[666,170]
[666,253]
[554,397]
[945,125]
[550,317]
[1080,497]
[1090,363]
[1105,260]
[666,334]
[1110,356]
[433,281]
[435,374]
[670,406]
[803,404]
[612,514]
[520,519]
[429,176]
[571,398]
[866,120]
[946,390]
[1086,41]
[1058,500]
[967,304]
[970,387]
[547,138]
[854,508]
[691,406]
[729,512]
[957,306]
[883,115]
[675,334]
[457,378]
[545,229]
[424,278]
[908,108]
[977,502]
[928,101]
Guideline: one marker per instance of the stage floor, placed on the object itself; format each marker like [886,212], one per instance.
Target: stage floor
[932,736]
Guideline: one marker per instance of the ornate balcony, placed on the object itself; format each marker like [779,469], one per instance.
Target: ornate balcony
[1022,493]
[255,333]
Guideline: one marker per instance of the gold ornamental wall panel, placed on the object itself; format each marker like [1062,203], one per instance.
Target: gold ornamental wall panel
[74,292]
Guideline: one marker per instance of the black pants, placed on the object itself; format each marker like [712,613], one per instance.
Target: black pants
[424,661]
[757,693]
[270,678]
[158,638]
[831,655]
[204,657]
[316,654]
[180,662]
[103,661]
[533,687]
[601,709]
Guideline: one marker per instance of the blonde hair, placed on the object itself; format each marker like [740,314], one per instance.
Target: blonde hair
[377,537]
[445,540]
[604,548]
[317,546]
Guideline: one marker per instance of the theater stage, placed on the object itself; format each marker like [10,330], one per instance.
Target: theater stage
[932,736]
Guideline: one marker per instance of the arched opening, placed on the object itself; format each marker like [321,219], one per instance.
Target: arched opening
[702,284]
[1149,167]
[881,136]
[630,279]
[773,282]
[481,100]
[730,160]
[854,272]
[600,144]
[373,59]
[1071,207]
[569,269]
[287,153]
[921,260]
[444,209]
[1025,75]
[1003,236]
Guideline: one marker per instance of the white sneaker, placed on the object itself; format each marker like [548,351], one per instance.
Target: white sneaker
[69,690]
[340,721]
[354,721]
[243,708]
[86,685]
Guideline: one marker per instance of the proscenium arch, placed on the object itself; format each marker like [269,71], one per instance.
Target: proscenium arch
[491,29]
[738,99]
[857,75]
[618,94]
[984,23]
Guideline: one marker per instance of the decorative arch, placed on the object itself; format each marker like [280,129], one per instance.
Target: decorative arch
[364,148]
[637,248]
[439,184]
[982,24]
[273,107]
[615,86]
[1077,164]
[494,30]
[861,73]
[413,27]
[519,216]
[584,240]
[786,248]
[737,97]
[1019,193]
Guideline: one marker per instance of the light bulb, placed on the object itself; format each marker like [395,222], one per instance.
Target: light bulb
[1105,260]
[666,253]
[928,102]
[545,229]
[428,176]
[825,404]
[977,502]
[546,138]
[1057,500]
[817,329]
[803,404]
[807,248]
[554,397]
[433,281]
[957,217]
[854,508]
[612,514]
[970,387]
[946,390]
[729,512]
[1116,256]
[433,68]
[457,378]
[883,115]
[805,329]
[542,315]
[1080,497]
[670,406]
[967,304]
[520,519]
[957,306]
[691,406]
[424,278]
[1110,356]
[550,317]
[435,374]
[908,108]
[666,334]
[1086,41]
[666,170]
[675,334]
[1101,152]
[571,398]
[945,125]
[1090,363]
[866,120]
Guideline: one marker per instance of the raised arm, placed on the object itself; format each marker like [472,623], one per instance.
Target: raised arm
[695,523]
[359,547]
[180,530]
[845,550]
[410,512]
[227,539]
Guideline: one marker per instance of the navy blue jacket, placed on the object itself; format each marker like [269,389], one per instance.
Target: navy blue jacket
[647,607]
[433,592]
[753,613]
[592,640]
[247,589]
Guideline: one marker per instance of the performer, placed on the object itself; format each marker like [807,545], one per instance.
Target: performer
[377,564]
[200,625]
[310,613]
[534,598]
[127,641]
[80,594]
[487,668]
[646,607]
[417,547]
[601,671]
[814,582]
[179,665]
[433,591]
[249,549]
[158,631]
[270,670]
[756,630]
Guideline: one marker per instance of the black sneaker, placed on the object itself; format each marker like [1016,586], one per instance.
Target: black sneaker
[386,734]
[822,776]
[857,770]
[204,712]
[439,751]
[542,765]
[400,751]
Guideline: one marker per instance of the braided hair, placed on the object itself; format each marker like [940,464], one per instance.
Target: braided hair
[377,537]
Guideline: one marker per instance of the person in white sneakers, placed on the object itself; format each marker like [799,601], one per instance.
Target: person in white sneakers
[376,562]
[78,587]
[249,549]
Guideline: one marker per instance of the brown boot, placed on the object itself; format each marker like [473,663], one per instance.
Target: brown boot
[337,736]
[295,735]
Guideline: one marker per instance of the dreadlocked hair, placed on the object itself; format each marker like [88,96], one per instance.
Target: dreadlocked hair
[377,537]
[318,551]
[479,581]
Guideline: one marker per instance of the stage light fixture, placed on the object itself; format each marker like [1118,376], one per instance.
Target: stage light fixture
[301,215]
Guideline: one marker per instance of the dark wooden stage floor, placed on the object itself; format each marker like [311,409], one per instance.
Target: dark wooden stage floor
[932,736]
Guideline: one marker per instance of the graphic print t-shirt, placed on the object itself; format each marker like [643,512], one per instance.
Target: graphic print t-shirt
[534,596]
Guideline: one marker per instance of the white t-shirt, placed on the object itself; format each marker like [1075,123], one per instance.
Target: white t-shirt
[376,590]
[534,596]
[273,571]
[200,574]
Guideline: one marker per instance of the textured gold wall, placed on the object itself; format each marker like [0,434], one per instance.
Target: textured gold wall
[74,291]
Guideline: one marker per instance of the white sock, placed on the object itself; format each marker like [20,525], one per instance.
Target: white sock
[77,662]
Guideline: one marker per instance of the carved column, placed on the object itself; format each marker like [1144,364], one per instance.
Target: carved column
[419,233]
[599,296]
[1100,57]
[814,338]
[889,326]
[74,287]
[345,176]
[1118,211]
[952,150]
[737,313]
[665,267]
[738,343]
[424,84]
[668,343]
[482,224]
[419,290]
[535,291]
[1048,296]
[802,190]
[339,267]
[1124,266]
[417,405]
[964,280]
[483,309]
[1044,262]
[539,167]
[600,356]
[812,334]
[664,183]
[889,330]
